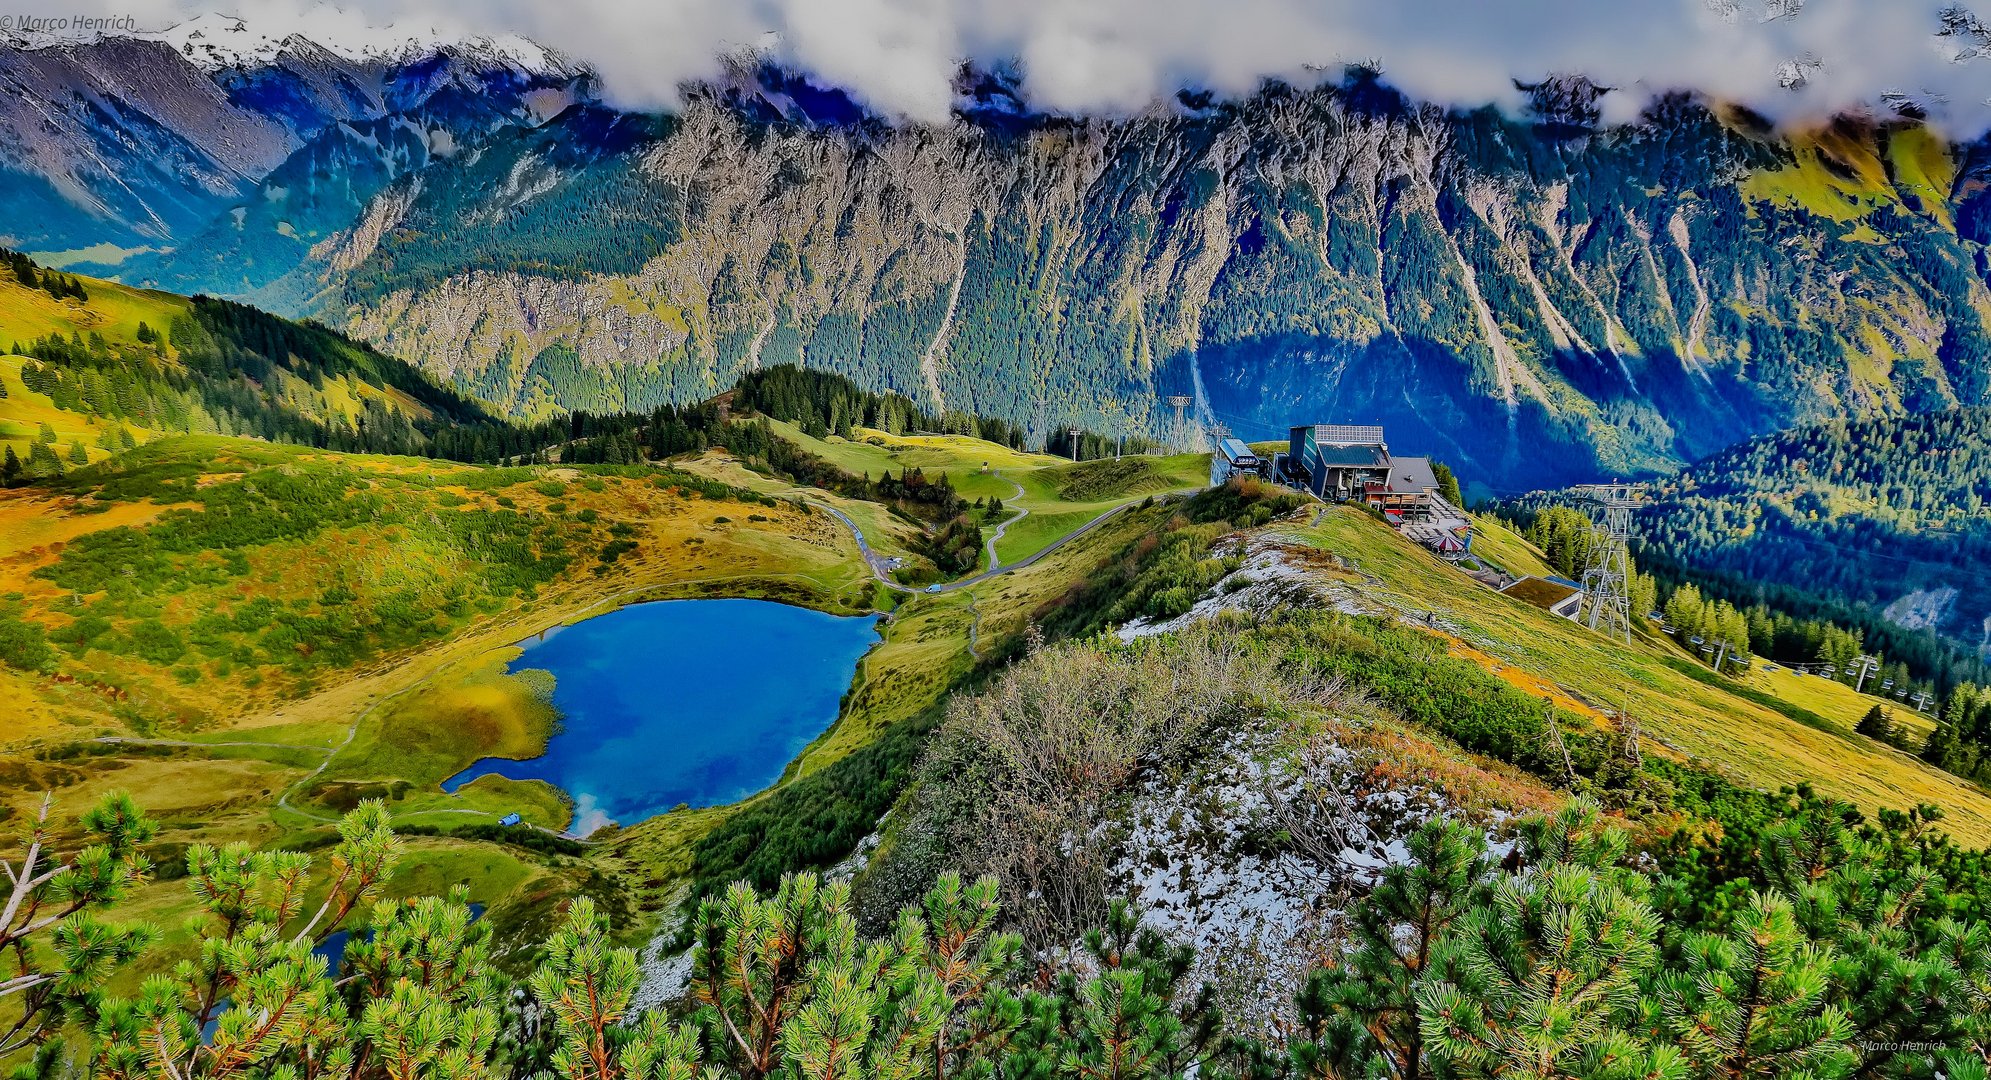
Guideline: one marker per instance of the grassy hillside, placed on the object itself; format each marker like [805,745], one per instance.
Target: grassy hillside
[1755,738]
[112,310]
[199,580]
[105,366]
[1058,494]
[23,412]
[273,632]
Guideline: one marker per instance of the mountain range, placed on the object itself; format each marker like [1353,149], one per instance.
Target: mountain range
[1538,298]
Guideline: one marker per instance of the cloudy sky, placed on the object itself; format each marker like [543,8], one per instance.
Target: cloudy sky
[1110,56]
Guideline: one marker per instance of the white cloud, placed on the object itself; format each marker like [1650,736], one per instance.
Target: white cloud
[1084,56]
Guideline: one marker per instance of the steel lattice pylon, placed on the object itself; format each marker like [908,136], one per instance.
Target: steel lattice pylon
[1180,403]
[1607,573]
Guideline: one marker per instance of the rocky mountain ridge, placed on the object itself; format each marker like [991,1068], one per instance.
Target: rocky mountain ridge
[1537,298]
[1541,303]
[141,142]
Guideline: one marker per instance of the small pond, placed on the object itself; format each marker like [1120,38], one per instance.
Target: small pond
[701,702]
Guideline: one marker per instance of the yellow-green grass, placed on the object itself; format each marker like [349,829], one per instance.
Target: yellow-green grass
[1834,175]
[1923,168]
[434,865]
[183,791]
[116,311]
[484,801]
[1007,604]
[1844,172]
[887,533]
[1500,545]
[1835,701]
[1062,497]
[681,540]
[1752,743]
[961,458]
[1041,529]
[468,711]
[113,310]
[923,652]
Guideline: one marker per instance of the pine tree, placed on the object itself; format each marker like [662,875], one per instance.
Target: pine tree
[1448,484]
[78,455]
[10,467]
[1684,609]
[586,985]
[254,999]
[42,462]
[61,955]
[1876,724]
[1754,1002]
[923,997]
[47,433]
[1903,976]
[1544,979]
[1133,1017]
[1359,1017]
[1945,748]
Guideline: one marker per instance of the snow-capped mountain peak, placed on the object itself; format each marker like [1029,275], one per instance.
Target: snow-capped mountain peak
[217,41]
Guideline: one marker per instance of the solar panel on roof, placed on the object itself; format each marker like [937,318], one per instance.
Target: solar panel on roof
[1348,434]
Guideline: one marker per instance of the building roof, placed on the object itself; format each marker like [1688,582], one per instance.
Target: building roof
[1541,592]
[1366,455]
[1236,450]
[1412,474]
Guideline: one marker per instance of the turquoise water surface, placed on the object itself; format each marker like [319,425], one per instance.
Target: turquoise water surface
[683,701]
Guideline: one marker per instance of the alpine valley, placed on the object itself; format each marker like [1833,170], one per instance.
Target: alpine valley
[503,582]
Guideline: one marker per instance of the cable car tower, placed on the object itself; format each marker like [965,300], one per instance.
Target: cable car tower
[1180,403]
[1607,571]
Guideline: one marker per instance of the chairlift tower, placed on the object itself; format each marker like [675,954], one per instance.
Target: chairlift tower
[1863,667]
[1179,434]
[1607,573]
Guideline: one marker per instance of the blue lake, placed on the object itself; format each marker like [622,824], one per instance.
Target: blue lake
[683,701]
